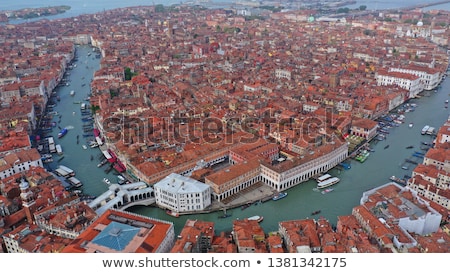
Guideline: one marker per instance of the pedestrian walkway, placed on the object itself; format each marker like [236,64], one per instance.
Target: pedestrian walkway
[255,193]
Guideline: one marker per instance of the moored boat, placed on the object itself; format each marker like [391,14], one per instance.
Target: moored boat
[121,180]
[315,212]
[279,196]
[398,180]
[361,157]
[225,215]
[172,213]
[345,165]
[75,182]
[323,177]
[106,180]
[329,182]
[246,205]
[104,161]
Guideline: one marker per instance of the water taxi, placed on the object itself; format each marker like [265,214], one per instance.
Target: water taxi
[425,129]
[72,93]
[279,196]
[256,218]
[62,133]
[106,180]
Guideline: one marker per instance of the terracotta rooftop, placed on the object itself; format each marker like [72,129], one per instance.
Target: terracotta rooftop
[139,234]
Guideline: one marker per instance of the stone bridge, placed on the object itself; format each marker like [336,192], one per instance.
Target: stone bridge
[123,196]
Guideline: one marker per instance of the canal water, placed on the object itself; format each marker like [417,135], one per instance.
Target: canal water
[69,108]
[301,200]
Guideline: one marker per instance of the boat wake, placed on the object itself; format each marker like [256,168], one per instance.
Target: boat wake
[70,127]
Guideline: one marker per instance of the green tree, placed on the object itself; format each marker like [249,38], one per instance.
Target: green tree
[343,10]
[129,74]
[362,7]
[159,8]
[94,108]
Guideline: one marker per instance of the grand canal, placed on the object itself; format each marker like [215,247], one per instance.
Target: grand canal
[301,200]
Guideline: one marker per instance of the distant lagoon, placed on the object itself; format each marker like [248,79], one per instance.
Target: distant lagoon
[83,7]
[78,7]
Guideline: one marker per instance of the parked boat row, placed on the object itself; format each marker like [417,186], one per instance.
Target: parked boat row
[46,158]
[388,121]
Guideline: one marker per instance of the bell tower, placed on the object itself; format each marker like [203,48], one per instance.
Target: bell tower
[28,201]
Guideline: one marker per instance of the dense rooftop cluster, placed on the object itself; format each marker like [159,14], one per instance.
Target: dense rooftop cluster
[188,84]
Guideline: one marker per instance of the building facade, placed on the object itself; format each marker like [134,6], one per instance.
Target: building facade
[290,173]
[182,194]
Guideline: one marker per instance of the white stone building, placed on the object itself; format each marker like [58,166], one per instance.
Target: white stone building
[410,82]
[430,77]
[182,194]
[292,172]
